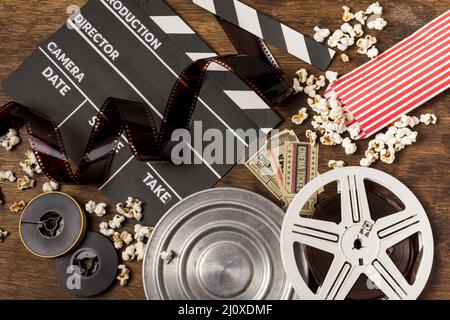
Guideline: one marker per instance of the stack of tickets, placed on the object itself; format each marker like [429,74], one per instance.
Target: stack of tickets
[399,80]
[284,165]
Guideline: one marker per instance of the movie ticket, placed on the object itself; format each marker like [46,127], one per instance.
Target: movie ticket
[284,165]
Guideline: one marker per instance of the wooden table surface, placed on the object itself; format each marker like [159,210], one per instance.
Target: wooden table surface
[423,167]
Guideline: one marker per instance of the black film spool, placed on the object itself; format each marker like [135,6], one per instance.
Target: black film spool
[52,224]
[90,269]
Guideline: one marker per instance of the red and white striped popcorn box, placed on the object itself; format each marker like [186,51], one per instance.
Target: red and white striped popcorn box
[399,80]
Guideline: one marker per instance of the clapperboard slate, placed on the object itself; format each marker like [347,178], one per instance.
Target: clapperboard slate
[133,49]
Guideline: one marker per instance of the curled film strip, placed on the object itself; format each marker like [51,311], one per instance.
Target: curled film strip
[136,121]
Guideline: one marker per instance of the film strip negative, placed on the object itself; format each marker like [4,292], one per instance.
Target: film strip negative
[270,30]
[134,119]
[70,76]
[195,48]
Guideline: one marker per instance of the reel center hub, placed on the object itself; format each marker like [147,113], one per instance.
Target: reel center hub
[88,261]
[225,270]
[359,246]
[51,224]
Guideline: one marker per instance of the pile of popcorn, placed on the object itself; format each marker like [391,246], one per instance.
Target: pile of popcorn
[133,245]
[348,34]
[396,138]
[329,120]
[310,85]
[30,166]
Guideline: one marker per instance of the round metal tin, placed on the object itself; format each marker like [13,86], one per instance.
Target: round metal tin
[226,246]
[90,269]
[52,224]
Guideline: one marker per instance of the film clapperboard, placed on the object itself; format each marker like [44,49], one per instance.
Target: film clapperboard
[102,52]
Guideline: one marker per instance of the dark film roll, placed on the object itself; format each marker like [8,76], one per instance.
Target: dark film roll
[90,269]
[52,224]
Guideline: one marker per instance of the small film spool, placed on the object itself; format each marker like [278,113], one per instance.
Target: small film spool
[90,269]
[52,224]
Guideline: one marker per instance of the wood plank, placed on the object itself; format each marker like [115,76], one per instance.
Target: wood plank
[423,167]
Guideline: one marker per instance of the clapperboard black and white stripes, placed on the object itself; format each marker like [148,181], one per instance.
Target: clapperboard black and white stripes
[113,48]
[270,30]
[196,48]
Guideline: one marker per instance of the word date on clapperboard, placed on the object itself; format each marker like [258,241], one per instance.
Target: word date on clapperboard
[134,50]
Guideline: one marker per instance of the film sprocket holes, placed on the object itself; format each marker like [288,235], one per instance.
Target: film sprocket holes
[52,224]
[225,103]
[90,269]
[362,244]
[224,244]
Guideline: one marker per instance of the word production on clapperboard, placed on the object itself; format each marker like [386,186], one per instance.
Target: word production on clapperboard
[127,96]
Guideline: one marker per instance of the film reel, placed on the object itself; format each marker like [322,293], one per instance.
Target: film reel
[52,224]
[90,269]
[360,243]
[226,246]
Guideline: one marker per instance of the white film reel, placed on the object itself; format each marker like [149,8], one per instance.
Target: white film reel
[358,243]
